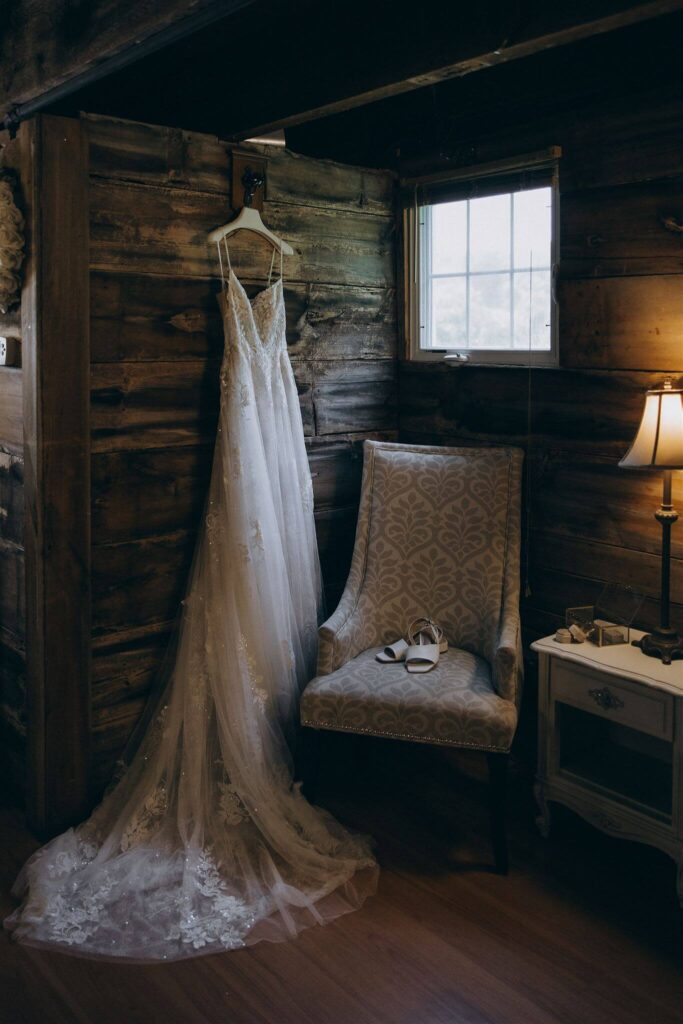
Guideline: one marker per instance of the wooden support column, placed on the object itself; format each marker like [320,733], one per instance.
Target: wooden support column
[55,333]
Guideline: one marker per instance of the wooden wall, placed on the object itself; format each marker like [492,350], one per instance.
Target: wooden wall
[12,583]
[621,330]
[12,580]
[156,343]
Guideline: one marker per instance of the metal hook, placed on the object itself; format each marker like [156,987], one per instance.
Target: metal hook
[252,181]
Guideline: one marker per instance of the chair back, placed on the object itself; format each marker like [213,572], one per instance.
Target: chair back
[438,535]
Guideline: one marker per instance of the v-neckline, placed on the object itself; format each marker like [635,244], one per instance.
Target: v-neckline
[264,342]
[268,290]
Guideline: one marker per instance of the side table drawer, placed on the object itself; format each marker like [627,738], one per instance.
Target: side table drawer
[641,708]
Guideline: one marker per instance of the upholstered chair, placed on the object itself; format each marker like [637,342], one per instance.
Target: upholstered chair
[438,535]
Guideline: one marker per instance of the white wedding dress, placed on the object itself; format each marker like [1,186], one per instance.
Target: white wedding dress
[205,843]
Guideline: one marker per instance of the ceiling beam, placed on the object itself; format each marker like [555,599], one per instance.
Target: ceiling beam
[558,30]
[49,52]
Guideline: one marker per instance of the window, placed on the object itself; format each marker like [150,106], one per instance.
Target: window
[481,266]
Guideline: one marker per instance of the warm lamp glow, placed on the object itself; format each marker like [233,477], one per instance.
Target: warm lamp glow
[659,441]
[659,445]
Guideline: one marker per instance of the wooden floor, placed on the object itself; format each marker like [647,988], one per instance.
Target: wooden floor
[585,930]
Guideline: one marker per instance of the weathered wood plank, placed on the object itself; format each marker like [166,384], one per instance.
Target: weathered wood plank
[127,671]
[611,563]
[292,178]
[11,405]
[151,230]
[135,317]
[155,155]
[633,323]
[153,405]
[341,407]
[12,593]
[597,501]
[11,498]
[139,494]
[623,141]
[336,532]
[336,470]
[616,141]
[13,689]
[139,582]
[55,313]
[578,410]
[620,231]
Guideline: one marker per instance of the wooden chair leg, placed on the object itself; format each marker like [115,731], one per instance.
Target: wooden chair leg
[498,767]
[309,761]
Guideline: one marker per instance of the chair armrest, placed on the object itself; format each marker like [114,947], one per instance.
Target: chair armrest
[507,663]
[343,635]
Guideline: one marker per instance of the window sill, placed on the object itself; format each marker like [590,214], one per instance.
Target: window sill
[489,357]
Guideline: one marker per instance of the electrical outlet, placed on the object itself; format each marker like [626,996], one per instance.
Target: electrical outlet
[8,350]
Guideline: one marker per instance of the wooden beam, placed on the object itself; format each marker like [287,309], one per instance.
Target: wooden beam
[55,325]
[45,54]
[557,31]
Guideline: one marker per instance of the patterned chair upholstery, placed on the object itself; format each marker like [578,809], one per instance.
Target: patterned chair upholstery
[438,534]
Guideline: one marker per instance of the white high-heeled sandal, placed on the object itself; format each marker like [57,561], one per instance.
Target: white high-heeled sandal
[426,643]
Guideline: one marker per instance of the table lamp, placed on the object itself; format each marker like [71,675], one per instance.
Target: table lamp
[659,445]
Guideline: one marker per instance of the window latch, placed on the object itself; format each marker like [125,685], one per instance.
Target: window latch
[458,357]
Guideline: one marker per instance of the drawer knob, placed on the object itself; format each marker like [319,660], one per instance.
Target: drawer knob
[604,698]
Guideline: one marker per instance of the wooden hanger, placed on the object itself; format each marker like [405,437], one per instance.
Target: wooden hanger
[249,219]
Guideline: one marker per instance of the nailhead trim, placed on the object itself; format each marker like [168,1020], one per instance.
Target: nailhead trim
[402,736]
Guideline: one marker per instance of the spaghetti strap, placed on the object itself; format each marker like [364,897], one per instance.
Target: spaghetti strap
[272,264]
[220,261]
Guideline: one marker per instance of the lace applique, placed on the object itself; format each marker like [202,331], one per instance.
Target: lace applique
[232,810]
[226,920]
[212,521]
[244,396]
[260,698]
[257,534]
[143,823]
[259,694]
[73,922]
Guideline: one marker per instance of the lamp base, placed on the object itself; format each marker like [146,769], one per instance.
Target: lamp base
[665,644]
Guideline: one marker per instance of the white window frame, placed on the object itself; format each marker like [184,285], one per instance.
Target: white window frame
[414,270]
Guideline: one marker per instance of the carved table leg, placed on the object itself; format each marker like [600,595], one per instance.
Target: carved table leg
[543,818]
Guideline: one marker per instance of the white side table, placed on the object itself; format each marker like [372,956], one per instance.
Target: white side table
[610,723]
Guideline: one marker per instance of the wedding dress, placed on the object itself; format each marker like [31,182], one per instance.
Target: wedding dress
[205,843]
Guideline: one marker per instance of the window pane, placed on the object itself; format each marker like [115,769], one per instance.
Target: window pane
[449,238]
[490,311]
[532,218]
[538,291]
[490,233]
[449,328]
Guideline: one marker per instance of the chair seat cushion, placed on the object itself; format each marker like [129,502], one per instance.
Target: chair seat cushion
[453,704]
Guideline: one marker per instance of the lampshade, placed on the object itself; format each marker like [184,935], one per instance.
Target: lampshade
[659,441]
